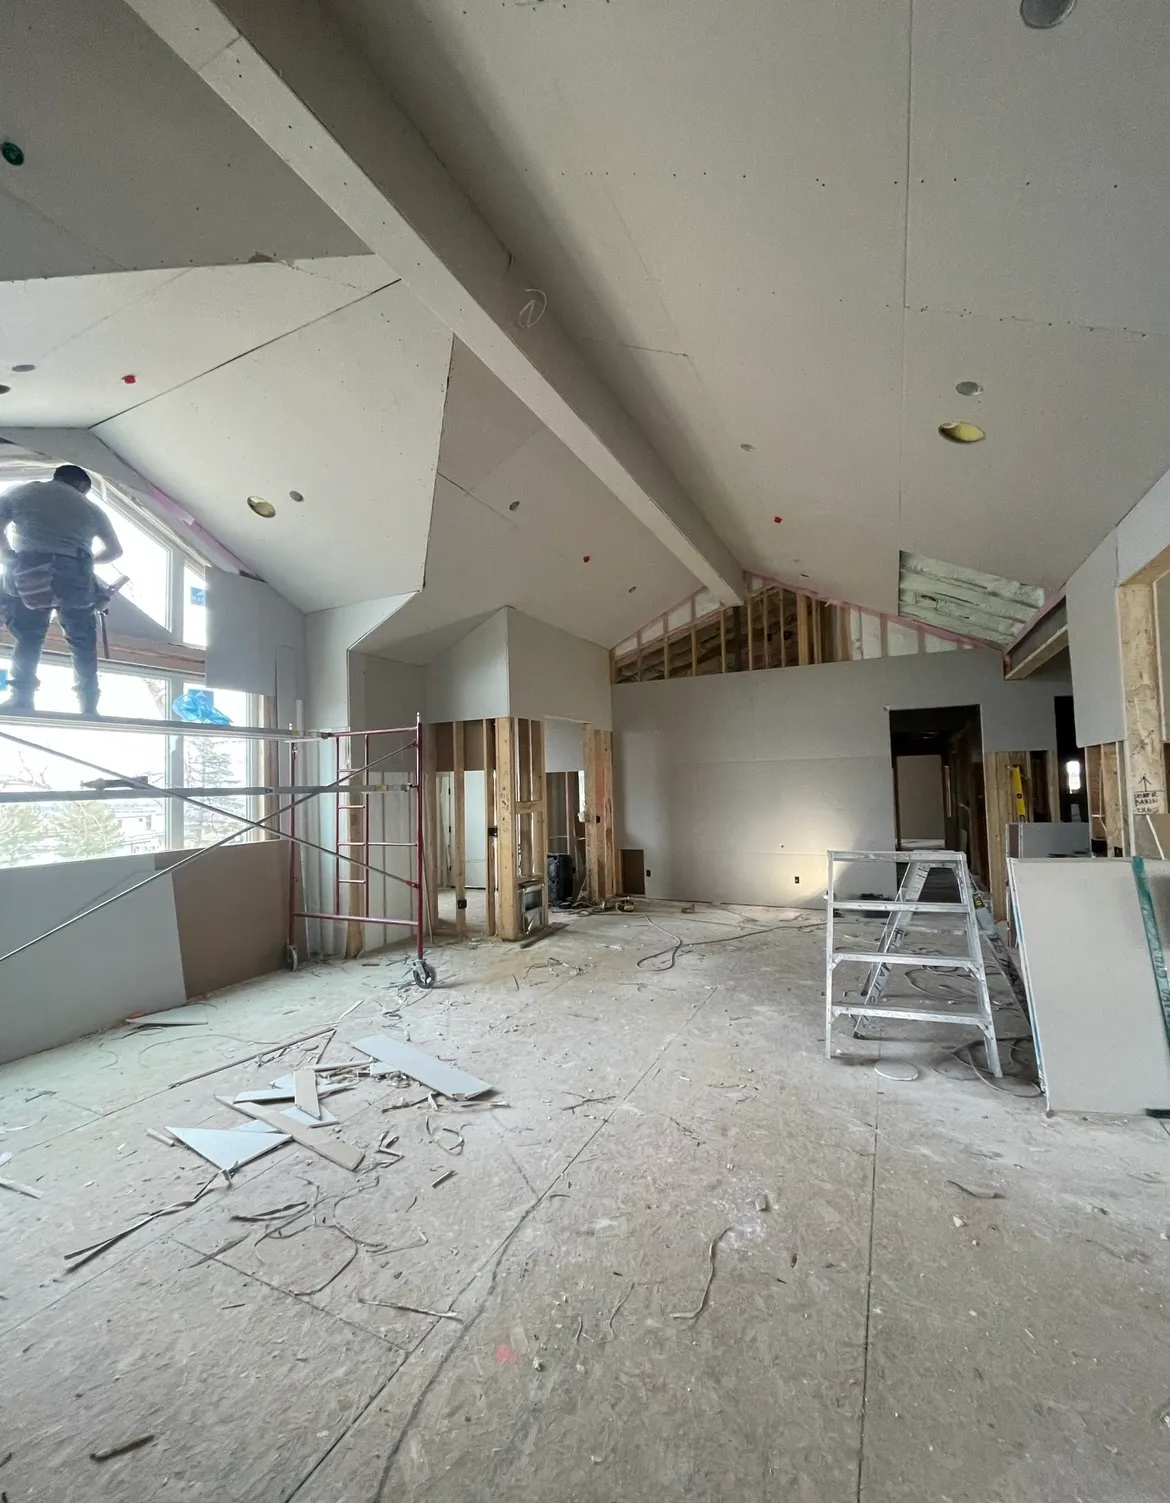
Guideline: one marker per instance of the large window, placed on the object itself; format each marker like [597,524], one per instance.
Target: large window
[52,809]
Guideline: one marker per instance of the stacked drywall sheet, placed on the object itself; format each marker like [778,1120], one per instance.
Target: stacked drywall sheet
[1099,1030]
[1048,838]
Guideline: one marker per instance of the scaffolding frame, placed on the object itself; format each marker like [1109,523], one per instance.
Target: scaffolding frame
[344,786]
[344,791]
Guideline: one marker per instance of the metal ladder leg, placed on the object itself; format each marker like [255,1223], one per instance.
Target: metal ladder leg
[975,949]
[829,962]
[897,926]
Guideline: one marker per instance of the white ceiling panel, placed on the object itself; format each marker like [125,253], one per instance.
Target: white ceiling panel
[478,561]
[1040,182]
[1076,433]
[348,412]
[85,334]
[483,422]
[130,160]
[718,203]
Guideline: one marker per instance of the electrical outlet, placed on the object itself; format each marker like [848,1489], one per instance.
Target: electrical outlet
[797,881]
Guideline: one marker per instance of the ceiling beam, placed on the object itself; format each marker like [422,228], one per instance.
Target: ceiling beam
[293,78]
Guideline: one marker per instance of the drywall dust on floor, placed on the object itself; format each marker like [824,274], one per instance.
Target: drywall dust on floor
[683,1256]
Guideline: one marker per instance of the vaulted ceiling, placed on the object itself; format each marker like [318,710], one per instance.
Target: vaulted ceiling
[798,227]
[779,235]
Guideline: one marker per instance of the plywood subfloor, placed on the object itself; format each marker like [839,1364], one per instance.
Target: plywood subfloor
[874,1333]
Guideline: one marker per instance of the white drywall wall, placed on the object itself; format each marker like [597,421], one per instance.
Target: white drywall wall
[328,637]
[247,625]
[470,680]
[553,673]
[1145,531]
[564,746]
[920,798]
[98,971]
[1102,1042]
[735,786]
[1094,647]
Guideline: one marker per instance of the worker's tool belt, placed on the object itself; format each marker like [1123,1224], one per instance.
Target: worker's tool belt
[33,579]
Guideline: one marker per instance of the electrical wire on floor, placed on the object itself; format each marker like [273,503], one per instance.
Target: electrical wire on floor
[965,1055]
[681,946]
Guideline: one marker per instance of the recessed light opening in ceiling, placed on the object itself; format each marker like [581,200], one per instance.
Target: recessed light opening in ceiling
[961,433]
[1042,15]
[748,448]
[969,389]
[295,496]
[4,390]
[261,507]
[22,368]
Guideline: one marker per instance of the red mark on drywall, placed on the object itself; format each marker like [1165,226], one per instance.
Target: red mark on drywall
[586,559]
[504,1354]
[777,519]
[129,380]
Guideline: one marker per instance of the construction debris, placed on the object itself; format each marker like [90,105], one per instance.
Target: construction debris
[702,1305]
[230,1148]
[430,1072]
[978,1194]
[83,1255]
[412,1309]
[171,1017]
[15,1184]
[305,1092]
[122,1450]
[342,1154]
[443,1178]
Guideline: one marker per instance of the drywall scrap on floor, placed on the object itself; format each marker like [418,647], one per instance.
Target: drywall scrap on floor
[1100,1037]
[430,1072]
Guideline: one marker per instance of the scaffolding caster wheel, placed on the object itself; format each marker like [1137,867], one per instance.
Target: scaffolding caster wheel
[423,972]
[291,959]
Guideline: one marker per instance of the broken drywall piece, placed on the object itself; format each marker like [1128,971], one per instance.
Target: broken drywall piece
[171,1017]
[283,1090]
[305,1092]
[428,1071]
[230,1148]
[337,1152]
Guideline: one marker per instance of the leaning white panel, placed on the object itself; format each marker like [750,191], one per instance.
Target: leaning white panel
[1086,963]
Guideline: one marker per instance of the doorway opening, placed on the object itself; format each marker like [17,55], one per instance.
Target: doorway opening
[939,804]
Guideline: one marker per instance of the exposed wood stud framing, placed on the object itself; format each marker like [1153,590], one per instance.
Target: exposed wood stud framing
[459,832]
[1145,768]
[489,820]
[507,846]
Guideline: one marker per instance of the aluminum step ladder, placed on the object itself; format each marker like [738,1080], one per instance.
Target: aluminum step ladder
[901,912]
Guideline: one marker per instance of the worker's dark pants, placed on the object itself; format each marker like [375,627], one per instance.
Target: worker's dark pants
[74,592]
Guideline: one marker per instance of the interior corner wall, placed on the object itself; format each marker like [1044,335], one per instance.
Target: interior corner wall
[735,786]
[1094,647]
[329,635]
[255,641]
[470,681]
[553,673]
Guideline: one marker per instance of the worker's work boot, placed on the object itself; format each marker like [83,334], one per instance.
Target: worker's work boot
[17,704]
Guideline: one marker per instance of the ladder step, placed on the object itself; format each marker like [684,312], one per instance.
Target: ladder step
[910,1014]
[894,905]
[902,957]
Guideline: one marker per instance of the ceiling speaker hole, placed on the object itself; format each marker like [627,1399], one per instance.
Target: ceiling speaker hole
[1042,15]
[961,433]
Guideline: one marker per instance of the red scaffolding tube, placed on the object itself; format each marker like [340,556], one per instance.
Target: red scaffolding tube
[352,748]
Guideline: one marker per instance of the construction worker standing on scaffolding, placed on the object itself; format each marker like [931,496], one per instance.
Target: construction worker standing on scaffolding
[47,533]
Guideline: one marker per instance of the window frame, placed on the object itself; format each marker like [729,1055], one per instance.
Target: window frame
[177,663]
